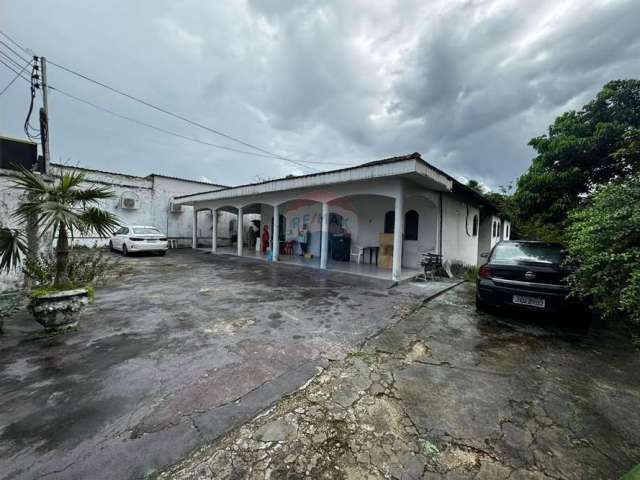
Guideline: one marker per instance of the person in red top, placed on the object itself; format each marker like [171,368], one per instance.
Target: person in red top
[264,242]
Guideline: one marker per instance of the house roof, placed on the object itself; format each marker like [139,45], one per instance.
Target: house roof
[293,181]
[147,177]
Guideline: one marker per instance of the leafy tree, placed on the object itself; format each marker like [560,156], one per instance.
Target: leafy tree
[604,239]
[60,207]
[582,150]
[476,185]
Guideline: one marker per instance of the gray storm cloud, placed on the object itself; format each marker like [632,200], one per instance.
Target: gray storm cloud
[466,83]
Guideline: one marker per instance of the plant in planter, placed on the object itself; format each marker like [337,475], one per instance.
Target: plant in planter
[61,208]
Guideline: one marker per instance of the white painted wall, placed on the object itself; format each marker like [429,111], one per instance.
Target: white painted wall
[458,242]
[153,193]
[491,232]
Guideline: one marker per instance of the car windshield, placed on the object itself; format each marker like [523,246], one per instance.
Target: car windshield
[145,230]
[532,252]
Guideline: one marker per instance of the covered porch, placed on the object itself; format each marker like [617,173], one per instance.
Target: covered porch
[374,220]
[353,268]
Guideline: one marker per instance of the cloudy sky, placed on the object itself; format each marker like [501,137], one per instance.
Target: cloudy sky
[466,83]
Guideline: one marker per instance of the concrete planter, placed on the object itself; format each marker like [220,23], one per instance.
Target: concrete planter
[58,310]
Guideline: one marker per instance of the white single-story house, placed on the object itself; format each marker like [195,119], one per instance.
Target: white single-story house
[376,218]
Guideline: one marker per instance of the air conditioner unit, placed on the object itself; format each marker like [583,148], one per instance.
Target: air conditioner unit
[175,208]
[129,201]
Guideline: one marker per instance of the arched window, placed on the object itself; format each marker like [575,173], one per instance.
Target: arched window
[507,233]
[475,226]
[498,230]
[493,233]
[411,219]
[389,221]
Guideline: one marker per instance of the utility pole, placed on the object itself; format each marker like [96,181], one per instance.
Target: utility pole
[44,117]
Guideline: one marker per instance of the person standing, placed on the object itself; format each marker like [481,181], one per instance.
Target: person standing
[264,241]
[253,235]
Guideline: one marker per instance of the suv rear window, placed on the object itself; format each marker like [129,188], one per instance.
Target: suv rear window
[145,230]
[533,252]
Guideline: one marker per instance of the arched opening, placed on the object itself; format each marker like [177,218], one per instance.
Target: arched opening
[411,221]
[474,230]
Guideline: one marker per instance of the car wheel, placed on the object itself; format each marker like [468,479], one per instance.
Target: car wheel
[483,306]
[124,250]
[162,253]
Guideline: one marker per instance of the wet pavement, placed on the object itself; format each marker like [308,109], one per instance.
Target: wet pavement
[447,393]
[186,348]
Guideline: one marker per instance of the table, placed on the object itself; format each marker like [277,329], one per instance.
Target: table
[372,249]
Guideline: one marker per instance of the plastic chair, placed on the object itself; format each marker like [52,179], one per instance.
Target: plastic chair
[357,252]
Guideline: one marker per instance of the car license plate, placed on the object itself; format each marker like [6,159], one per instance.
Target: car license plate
[529,301]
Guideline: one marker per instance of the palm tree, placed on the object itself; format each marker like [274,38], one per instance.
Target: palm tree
[60,207]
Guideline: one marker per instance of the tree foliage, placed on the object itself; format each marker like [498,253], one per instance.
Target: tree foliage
[604,240]
[582,150]
[61,207]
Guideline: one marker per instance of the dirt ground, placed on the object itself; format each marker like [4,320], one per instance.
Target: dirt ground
[447,393]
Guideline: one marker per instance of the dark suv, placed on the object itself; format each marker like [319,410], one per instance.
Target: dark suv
[524,274]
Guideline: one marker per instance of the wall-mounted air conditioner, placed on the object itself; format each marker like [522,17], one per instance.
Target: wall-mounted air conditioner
[175,207]
[129,201]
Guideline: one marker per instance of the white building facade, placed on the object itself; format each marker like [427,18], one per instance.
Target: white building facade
[137,201]
[403,200]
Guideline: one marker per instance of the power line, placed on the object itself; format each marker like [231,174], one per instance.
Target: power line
[179,117]
[11,59]
[18,75]
[160,129]
[14,52]
[264,153]
[13,70]
[5,35]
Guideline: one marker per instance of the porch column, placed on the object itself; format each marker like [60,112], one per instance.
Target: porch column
[398,228]
[324,244]
[275,243]
[240,231]
[194,229]
[214,231]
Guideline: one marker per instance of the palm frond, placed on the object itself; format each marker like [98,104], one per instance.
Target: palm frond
[12,247]
[28,181]
[91,195]
[98,221]
[26,210]
[69,180]
[52,214]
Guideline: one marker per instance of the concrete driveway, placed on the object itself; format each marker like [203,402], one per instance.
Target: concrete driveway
[447,393]
[186,348]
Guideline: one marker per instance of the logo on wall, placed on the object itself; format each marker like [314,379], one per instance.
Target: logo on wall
[306,213]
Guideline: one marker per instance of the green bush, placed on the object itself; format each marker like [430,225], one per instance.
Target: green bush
[471,274]
[84,267]
[603,238]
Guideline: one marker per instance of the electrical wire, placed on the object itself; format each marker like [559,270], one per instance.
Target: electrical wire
[31,132]
[160,129]
[5,35]
[11,59]
[18,75]
[13,51]
[264,153]
[179,117]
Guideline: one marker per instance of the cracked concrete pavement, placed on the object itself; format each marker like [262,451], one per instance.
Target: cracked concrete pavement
[447,393]
[185,349]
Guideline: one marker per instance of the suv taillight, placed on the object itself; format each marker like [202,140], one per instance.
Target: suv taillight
[484,272]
